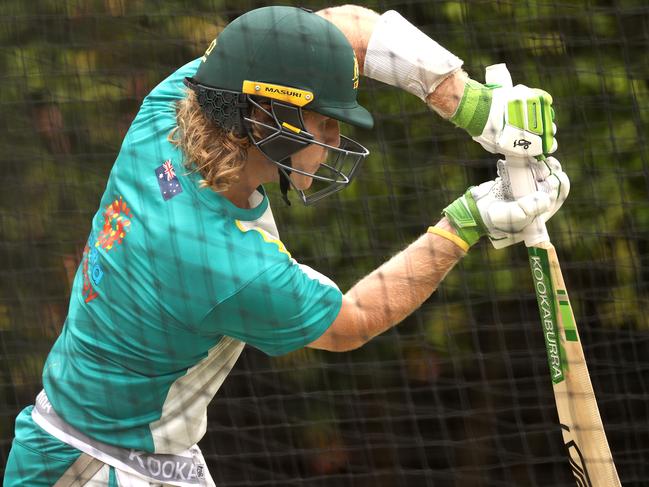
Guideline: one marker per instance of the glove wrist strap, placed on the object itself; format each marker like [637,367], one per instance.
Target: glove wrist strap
[473,111]
[465,217]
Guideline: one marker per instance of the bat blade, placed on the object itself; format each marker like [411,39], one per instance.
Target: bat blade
[581,425]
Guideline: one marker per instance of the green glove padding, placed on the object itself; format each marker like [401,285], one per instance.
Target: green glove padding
[473,111]
[465,217]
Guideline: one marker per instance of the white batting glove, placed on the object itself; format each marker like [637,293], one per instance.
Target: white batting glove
[507,120]
[490,208]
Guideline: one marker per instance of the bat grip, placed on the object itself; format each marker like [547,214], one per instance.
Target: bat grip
[523,183]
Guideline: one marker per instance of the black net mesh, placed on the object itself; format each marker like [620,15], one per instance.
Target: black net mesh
[458,394]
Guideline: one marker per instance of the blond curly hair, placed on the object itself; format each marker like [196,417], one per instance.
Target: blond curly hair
[217,155]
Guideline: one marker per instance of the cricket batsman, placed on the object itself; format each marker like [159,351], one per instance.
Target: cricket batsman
[184,264]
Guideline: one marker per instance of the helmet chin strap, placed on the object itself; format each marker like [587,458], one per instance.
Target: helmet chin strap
[284,183]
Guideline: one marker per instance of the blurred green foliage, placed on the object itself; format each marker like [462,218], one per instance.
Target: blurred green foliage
[72,77]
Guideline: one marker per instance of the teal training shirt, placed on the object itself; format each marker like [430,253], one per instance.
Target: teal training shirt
[173,280]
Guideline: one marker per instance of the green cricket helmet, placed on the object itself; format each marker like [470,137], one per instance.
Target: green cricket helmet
[293,60]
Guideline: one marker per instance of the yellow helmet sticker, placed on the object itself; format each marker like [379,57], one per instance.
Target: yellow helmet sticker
[294,96]
[356,73]
[209,50]
[292,128]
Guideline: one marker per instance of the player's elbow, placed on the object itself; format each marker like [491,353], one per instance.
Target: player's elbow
[335,341]
[347,344]
[344,345]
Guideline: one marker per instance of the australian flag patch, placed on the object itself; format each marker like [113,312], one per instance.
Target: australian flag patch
[168,181]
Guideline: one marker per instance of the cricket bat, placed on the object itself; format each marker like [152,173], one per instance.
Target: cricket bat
[581,425]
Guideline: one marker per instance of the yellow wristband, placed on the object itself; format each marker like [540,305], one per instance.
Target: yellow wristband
[449,236]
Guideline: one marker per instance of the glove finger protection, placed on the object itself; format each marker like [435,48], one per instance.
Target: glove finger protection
[556,184]
[490,208]
[549,178]
[512,216]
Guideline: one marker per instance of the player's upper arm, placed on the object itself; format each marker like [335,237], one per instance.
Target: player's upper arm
[284,308]
[346,332]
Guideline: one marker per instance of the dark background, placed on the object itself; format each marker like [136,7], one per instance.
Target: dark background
[459,394]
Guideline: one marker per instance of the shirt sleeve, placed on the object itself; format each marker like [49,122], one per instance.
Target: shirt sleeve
[283,309]
[171,89]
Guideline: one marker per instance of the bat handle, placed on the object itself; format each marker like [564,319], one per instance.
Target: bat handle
[523,183]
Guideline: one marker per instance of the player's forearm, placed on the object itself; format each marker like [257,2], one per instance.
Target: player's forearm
[385,297]
[445,99]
